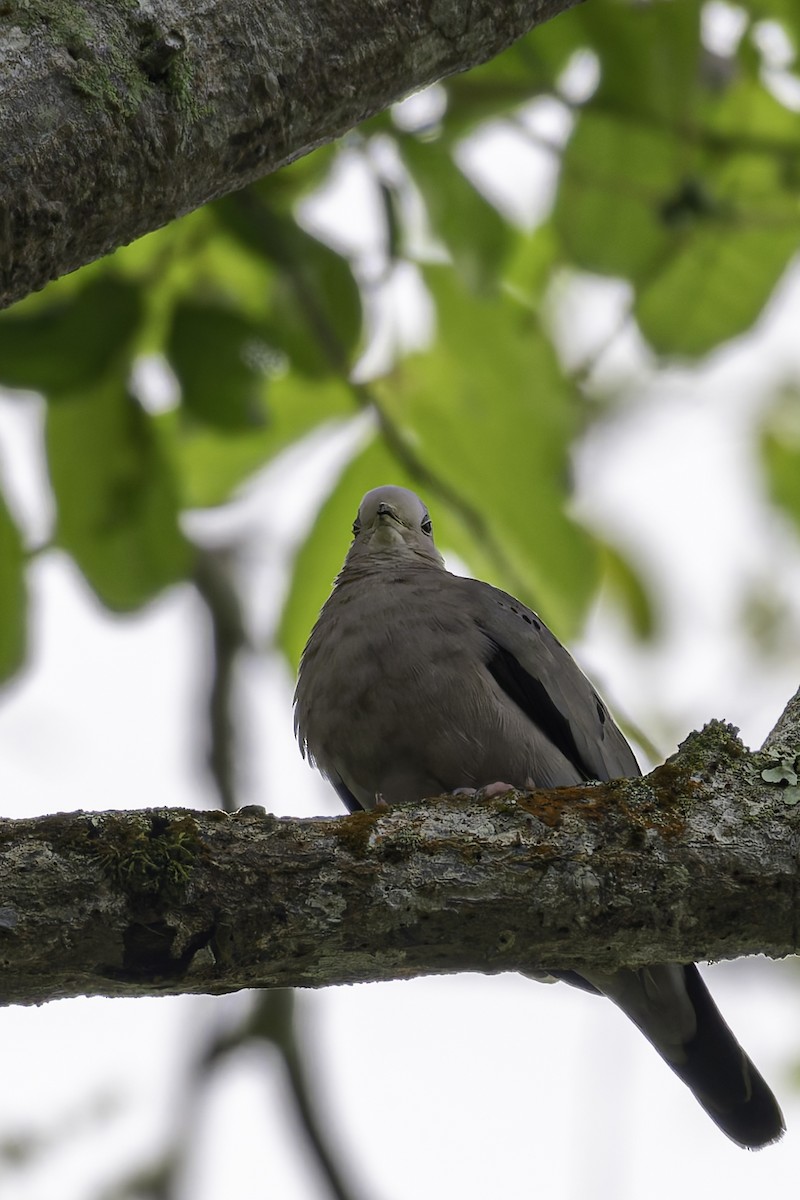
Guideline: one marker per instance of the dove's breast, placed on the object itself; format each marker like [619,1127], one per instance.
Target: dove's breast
[395,699]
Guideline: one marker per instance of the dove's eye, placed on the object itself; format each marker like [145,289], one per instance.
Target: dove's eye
[426,526]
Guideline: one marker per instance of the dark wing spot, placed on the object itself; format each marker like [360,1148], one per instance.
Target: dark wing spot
[601,712]
[533,698]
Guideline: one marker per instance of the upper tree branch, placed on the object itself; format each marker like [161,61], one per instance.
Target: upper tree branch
[115,118]
[697,860]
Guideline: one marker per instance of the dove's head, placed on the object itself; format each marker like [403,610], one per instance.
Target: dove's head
[393,520]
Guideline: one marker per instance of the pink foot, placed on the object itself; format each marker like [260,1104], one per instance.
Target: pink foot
[487,791]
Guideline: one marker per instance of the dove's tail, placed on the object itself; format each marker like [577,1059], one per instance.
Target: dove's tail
[674,1010]
[723,1079]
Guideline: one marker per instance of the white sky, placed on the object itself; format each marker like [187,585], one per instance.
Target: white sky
[463,1086]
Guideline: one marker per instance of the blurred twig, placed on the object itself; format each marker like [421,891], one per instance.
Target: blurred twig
[215,586]
[273,1019]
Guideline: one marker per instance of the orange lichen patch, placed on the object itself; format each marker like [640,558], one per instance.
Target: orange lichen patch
[549,806]
[659,808]
[355,831]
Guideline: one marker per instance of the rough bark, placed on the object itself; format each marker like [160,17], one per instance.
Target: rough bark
[697,860]
[116,115]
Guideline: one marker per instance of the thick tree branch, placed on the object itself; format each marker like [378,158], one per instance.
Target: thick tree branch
[115,118]
[697,860]
[785,737]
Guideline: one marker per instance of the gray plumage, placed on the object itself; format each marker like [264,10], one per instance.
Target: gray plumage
[415,682]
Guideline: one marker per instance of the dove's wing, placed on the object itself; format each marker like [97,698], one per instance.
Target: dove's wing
[543,680]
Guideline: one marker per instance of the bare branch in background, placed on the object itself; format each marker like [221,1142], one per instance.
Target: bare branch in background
[212,578]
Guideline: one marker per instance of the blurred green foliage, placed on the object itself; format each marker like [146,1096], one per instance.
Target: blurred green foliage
[781,450]
[679,173]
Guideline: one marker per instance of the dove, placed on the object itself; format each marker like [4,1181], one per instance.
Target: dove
[416,682]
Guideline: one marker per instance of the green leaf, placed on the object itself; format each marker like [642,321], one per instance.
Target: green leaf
[493,417]
[528,68]
[780,448]
[629,590]
[212,463]
[116,496]
[315,311]
[679,177]
[649,57]
[475,234]
[734,231]
[743,111]
[616,179]
[13,596]
[714,288]
[70,343]
[221,360]
[532,260]
[703,237]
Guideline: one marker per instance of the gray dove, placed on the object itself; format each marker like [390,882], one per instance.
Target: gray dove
[416,682]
